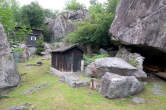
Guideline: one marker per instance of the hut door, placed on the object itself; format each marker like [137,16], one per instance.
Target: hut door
[77,62]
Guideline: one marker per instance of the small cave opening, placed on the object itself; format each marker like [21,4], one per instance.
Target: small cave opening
[154,62]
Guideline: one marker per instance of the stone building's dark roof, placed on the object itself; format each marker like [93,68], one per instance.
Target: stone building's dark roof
[65,48]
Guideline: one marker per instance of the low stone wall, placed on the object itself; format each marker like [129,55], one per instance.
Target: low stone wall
[71,79]
[24,55]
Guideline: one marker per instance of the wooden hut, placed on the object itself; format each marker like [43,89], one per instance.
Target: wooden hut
[32,38]
[67,59]
[31,41]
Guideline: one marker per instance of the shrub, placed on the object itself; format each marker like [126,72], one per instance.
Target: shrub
[74,5]
[94,32]
[33,15]
[47,34]
[18,50]
[40,46]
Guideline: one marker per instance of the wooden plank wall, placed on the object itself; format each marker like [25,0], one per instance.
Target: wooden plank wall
[69,61]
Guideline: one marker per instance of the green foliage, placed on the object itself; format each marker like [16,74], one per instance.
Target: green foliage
[92,59]
[18,50]
[40,46]
[33,15]
[111,6]
[93,2]
[16,11]
[95,30]
[84,35]
[10,17]
[50,13]
[19,35]
[133,62]
[74,5]
[47,34]
[7,16]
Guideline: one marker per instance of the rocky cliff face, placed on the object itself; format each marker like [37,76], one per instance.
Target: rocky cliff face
[141,23]
[9,76]
[65,23]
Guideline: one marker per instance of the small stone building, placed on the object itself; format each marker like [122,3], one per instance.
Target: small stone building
[32,38]
[67,59]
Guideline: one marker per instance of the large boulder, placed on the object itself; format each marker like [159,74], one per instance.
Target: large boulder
[113,65]
[65,23]
[115,86]
[141,23]
[9,76]
[22,56]
[134,59]
[102,51]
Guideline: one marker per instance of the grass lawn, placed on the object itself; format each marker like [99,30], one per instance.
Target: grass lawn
[59,96]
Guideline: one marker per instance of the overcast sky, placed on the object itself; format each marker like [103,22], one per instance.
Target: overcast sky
[55,4]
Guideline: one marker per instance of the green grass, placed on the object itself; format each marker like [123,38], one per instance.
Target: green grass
[59,96]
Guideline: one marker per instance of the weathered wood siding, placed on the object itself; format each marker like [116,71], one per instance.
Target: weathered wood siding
[31,40]
[69,61]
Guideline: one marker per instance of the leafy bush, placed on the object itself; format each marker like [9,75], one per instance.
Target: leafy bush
[74,5]
[92,59]
[7,16]
[84,34]
[18,50]
[111,6]
[47,34]
[95,31]
[40,46]
[50,13]
[33,15]
[20,34]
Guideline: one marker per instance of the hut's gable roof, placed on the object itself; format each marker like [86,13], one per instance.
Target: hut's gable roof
[66,48]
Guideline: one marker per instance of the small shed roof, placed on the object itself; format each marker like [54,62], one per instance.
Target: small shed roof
[65,48]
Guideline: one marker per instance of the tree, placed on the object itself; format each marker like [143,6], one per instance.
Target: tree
[40,46]
[16,11]
[18,35]
[94,32]
[33,15]
[47,34]
[74,5]
[10,17]
[111,6]
[7,16]
[50,13]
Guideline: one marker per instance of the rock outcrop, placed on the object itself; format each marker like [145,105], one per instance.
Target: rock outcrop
[113,65]
[9,76]
[134,59]
[25,106]
[25,55]
[65,23]
[140,23]
[102,51]
[115,86]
